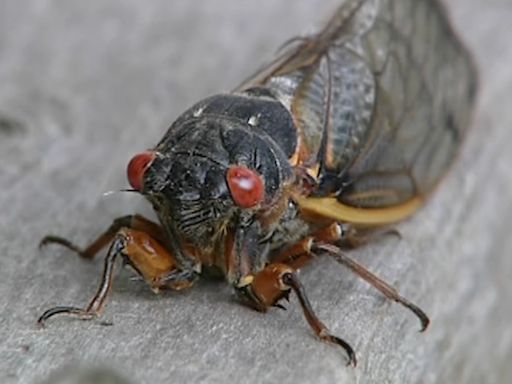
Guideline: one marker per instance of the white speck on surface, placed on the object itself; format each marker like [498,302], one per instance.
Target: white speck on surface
[253,121]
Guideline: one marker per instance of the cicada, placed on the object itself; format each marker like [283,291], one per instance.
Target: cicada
[345,132]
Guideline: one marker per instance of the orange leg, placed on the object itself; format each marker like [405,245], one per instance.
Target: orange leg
[130,221]
[300,254]
[278,279]
[141,251]
[274,283]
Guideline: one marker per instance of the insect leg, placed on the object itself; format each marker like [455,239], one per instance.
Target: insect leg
[129,221]
[98,301]
[297,255]
[146,256]
[300,254]
[274,283]
[356,237]
[291,280]
[378,283]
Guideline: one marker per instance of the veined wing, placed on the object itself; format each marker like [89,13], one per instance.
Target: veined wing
[381,98]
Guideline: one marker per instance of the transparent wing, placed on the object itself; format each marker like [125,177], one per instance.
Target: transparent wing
[381,98]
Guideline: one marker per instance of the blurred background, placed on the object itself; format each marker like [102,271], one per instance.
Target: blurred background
[85,85]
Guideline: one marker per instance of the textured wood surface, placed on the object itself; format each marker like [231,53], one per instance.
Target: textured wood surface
[84,85]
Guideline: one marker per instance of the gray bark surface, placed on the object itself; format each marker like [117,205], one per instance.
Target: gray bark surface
[84,85]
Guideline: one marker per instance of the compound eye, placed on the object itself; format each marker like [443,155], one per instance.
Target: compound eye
[137,168]
[246,186]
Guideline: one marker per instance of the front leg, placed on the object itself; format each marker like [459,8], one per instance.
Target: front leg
[274,283]
[147,257]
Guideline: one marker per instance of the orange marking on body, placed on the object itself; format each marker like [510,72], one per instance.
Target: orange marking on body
[330,208]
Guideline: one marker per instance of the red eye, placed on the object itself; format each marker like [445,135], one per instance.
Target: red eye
[246,186]
[137,167]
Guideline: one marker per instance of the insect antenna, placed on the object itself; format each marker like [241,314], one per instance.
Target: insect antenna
[386,289]
[112,192]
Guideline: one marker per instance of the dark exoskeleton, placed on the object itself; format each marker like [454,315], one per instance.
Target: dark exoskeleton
[345,131]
